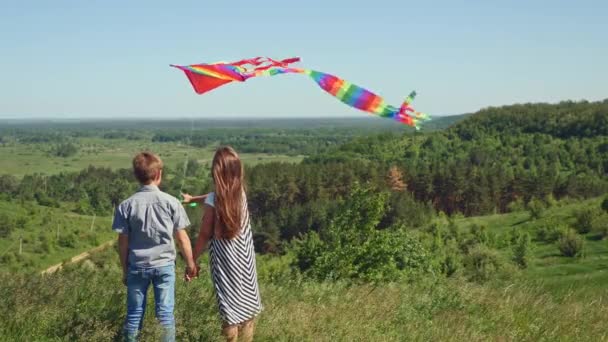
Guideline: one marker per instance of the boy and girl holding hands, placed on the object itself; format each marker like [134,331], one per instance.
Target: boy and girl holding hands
[150,221]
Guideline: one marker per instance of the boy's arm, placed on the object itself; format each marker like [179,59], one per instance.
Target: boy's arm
[123,250]
[184,242]
[121,226]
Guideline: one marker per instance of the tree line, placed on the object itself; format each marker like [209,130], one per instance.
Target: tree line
[497,160]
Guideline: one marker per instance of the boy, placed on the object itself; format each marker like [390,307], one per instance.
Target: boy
[147,223]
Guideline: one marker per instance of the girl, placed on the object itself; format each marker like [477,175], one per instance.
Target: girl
[227,227]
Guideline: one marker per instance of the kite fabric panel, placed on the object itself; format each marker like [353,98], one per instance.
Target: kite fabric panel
[206,77]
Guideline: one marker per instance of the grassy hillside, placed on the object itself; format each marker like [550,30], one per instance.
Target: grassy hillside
[555,299]
[46,236]
[87,304]
[559,275]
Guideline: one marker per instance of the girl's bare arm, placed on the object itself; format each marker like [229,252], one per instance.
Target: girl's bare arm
[206,231]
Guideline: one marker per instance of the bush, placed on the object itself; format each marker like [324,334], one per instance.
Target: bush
[451,260]
[8,259]
[67,241]
[536,209]
[352,248]
[605,205]
[600,226]
[7,225]
[517,205]
[585,220]
[65,150]
[521,251]
[550,201]
[482,263]
[571,244]
[549,232]
[480,234]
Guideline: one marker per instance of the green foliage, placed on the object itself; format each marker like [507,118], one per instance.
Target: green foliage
[480,234]
[49,236]
[601,227]
[521,251]
[83,207]
[352,248]
[482,263]
[605,205]
[67,241]
[536,208]
[586,219]
[7,225]
[550,231]
[517,205]
[86,302]
[65,150]
[571,244]
[450,259]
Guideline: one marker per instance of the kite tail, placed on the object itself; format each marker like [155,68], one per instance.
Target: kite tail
[408,115]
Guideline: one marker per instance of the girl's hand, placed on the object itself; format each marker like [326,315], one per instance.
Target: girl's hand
[187,198]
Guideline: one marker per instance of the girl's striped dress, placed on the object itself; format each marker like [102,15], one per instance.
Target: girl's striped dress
[234,273]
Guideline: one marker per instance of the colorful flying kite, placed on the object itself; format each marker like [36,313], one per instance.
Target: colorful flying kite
[206,77]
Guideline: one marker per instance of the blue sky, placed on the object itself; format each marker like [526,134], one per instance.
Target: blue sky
[85,59]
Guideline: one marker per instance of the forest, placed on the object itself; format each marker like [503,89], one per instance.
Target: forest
[511,197]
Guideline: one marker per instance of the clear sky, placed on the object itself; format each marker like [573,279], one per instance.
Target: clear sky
[85,59]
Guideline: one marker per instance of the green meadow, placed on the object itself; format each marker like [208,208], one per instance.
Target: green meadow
[21,159]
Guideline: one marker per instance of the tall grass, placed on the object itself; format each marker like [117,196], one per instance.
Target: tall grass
[86,303]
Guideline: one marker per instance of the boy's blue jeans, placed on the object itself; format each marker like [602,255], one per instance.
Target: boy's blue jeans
[138,281]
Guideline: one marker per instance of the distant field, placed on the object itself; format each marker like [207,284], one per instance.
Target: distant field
[21,159]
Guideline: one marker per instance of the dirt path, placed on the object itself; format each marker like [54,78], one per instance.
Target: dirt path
[78,258]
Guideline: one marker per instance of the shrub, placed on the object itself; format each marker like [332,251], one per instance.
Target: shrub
[585,220]
[605,205]
[64,150]
[571,244]
[480,234]
[536,209]
[482,263]
[8,258]
[46,201]
[67,241]
[550,201]
[517,205]
[352,247]
[600,226]
[7,225]
[521,251]
[549,232]
[451,260]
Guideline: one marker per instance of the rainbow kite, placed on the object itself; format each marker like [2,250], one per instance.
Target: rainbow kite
[206,77]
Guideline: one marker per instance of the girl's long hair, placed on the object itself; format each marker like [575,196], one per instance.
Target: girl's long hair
[228,176]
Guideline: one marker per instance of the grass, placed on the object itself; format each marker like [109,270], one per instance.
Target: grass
[561,276]
[86,303]
[50,236]
[554,299]
[22,159]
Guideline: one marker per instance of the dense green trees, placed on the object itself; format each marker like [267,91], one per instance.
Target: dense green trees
[499,159]
[353,247]
[64,150]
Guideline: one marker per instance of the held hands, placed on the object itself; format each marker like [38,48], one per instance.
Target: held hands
[191,272]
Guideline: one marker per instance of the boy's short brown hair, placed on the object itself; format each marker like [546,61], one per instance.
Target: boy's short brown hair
[146,166]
